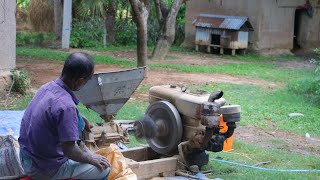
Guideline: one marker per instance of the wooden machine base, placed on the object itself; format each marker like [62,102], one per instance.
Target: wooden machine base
[146,163]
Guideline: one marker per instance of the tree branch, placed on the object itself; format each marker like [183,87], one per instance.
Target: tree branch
[158,11]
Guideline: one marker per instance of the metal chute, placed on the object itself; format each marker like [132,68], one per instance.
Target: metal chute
[106,93]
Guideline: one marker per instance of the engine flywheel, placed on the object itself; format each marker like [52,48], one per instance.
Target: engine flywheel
[168,126]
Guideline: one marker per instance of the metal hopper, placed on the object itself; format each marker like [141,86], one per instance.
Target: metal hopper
[106,93]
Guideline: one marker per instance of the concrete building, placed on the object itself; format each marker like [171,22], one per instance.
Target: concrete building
[7,41]
[277,24]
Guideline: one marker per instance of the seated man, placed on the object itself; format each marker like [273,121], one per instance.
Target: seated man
[50,128]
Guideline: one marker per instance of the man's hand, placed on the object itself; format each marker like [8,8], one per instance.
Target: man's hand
[72,151]
[100,162]
[108,118]
[88,125]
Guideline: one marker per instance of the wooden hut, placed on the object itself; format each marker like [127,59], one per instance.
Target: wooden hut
[223,32]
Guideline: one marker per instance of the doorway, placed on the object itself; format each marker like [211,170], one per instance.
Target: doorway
[215,39]
[297,28]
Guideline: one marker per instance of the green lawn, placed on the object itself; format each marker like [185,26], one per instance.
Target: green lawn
[259,105]
[249,154]
[251,68]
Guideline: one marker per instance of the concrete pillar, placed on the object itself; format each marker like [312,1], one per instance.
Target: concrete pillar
[209,49]
[7,41]
[221,51]
[67,18]
[233,52]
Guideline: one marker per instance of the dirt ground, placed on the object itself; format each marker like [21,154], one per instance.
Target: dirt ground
[42,71]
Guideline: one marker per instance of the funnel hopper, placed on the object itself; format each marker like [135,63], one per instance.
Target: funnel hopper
[106,93]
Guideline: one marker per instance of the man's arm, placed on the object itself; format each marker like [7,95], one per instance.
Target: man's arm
[88,125]
[72,151]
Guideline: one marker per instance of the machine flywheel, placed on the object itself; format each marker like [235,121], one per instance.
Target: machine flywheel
[169,127]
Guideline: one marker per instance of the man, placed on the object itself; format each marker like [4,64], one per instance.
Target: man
[50,128]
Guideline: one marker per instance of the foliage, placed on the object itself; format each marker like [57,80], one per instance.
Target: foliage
[180,25]
[35,39]
[60,56]
[23,4]
[91,8]
[153,31]
[21,81]
[126,33]
[125,27]
[309,86]
[87,33]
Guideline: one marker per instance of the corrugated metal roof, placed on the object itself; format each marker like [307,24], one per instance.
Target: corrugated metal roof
[221,21]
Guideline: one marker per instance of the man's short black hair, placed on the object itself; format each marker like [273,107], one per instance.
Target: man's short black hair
[78,65]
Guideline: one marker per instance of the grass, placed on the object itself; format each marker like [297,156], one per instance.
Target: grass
[253,56]
[114,48]
[266,71]
[262,105]
[60,56]
[18,104]
[130,111]
[250,154]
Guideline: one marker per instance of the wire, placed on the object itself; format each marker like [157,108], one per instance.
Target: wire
[266,169]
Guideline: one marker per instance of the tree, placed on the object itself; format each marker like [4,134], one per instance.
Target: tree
[140,14]
[110,21]
[58,4]
[102,8]
[167,21]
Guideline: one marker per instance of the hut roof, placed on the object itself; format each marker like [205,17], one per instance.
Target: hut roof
[222,22]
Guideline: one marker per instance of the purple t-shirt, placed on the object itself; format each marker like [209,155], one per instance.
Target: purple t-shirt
[49,120]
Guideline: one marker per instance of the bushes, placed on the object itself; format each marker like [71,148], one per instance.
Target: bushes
[309,86]
[87,33]
[35,39]
[21,81]
[126,33]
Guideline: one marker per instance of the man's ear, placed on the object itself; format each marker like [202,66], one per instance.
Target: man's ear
[79,81]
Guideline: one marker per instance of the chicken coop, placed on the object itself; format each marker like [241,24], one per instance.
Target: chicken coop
[222,32]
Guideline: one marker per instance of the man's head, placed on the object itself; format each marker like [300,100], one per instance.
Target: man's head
[77,70]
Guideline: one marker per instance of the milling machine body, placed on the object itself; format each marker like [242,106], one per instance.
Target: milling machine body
[189,119]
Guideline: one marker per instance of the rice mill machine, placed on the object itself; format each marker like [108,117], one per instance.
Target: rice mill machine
[177,121]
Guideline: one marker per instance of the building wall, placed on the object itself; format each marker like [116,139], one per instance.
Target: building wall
[223,7]
[7,41]
[272,20]
[310,29]
[7,35]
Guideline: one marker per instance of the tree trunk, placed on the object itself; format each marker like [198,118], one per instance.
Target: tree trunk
[58,18]
[141,14]
[168,31]
[142,39]
[110,21]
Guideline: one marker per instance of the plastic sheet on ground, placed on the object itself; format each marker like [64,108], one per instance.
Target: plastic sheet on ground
[10,123]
